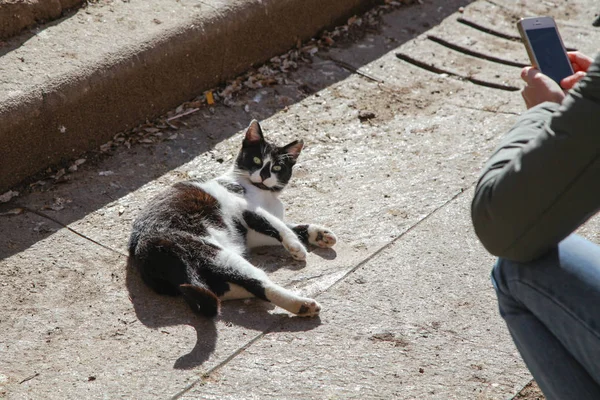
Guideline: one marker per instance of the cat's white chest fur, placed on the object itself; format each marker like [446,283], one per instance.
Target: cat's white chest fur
[269,202]
[266,200]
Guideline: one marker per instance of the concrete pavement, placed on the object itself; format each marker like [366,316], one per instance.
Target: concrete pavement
[408,310]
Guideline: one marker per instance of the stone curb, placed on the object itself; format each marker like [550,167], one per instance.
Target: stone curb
[80,81]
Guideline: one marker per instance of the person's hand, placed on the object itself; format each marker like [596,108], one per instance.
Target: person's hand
[539,88]
[580,63]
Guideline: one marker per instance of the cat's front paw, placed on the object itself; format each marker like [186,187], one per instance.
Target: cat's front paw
[309,308]
[296,249]
[321,237]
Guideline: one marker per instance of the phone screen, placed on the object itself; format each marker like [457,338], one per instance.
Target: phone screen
[549,53]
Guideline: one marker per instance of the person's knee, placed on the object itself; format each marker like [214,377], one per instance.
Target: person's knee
[511,277]
[503,272]
[505,276]
[506,272]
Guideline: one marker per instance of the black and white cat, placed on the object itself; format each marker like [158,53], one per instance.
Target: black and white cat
[191,238]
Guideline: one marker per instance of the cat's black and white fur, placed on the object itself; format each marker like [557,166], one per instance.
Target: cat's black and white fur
[191,239]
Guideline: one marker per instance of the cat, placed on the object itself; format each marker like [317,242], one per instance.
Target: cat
[191,239]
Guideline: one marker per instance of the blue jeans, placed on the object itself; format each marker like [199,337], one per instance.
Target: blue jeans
[552,309]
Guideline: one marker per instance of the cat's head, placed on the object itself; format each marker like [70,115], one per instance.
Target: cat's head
[266,166]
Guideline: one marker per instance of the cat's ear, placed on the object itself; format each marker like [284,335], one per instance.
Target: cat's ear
[293,149]
[254,134]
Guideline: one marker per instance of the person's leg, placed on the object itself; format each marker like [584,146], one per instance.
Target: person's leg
[552,309]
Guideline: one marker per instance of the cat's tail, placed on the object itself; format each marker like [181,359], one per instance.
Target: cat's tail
[200,299]
[164,267]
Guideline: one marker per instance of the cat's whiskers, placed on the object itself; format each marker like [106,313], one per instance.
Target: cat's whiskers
[240,174]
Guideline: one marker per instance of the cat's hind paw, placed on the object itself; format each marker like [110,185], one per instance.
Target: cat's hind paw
[296,249]
[309,308]
[321,237]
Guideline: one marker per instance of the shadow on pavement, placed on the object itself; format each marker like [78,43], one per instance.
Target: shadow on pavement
[160,311]
[21,12]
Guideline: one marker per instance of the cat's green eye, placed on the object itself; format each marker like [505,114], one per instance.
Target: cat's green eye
[277,168]
[257,161]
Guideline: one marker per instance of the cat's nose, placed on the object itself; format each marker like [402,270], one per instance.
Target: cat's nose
[265,173]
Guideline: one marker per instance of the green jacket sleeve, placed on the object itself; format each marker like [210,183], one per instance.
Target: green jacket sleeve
[543,180]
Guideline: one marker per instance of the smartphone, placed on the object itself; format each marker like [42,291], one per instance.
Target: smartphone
[545,47]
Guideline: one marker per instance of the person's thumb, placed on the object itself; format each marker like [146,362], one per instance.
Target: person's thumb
[570,81]
[529,73]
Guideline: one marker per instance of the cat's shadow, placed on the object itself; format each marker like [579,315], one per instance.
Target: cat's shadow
[159,311]
[325,253]
[272,258]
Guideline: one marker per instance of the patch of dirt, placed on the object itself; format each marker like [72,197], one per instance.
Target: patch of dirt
[530,392]
[389,337]
[359,26]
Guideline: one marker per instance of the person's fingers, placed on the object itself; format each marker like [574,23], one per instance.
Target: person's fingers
[577,56]
[573,55]
[580,61]
[570,81]
[528,73]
